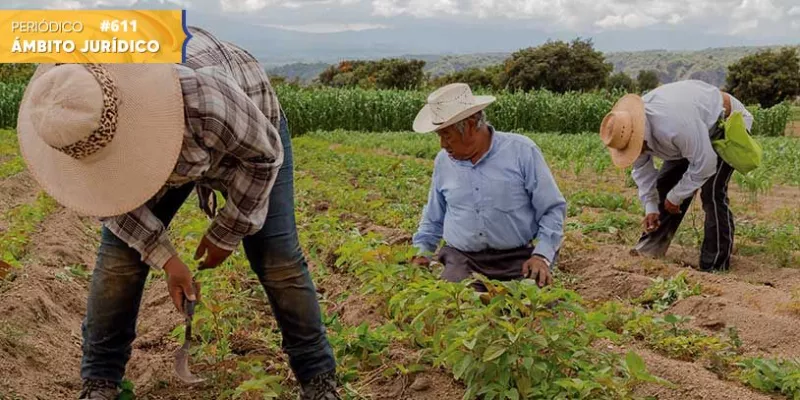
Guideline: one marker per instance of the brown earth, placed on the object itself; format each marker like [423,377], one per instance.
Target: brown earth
[41,313]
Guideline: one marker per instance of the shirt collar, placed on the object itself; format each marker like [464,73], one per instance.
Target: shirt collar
[492,147]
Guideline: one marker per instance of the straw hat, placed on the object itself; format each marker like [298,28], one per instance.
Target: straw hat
[448,105]
[102,139]
[622,130]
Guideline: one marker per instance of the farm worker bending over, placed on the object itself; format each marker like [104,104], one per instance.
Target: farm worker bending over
[677,123]
[128,143]
[491,195]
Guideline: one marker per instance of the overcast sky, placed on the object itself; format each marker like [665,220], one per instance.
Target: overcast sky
[765,21]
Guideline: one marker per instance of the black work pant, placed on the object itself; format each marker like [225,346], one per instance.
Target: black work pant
[715,253]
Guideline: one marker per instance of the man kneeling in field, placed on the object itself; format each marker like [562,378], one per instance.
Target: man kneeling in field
[491,195]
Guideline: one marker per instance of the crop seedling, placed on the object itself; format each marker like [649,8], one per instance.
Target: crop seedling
[663,293]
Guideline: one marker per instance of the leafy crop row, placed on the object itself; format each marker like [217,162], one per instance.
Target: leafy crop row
[21,223]
[536,111]
[394,110]
[10,97]
[516,342]
[584,152]
[495,343]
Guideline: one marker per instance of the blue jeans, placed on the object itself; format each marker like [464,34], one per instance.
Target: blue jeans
[274,254]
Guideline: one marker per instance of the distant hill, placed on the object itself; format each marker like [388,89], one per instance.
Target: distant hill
[709,65]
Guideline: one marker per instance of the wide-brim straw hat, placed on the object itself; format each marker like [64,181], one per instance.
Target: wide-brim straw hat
[448,105]
[102,139]
[622,130]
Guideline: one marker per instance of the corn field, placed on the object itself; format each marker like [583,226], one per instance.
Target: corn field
[771,121]
[539,111]
[10,96]
[394,110]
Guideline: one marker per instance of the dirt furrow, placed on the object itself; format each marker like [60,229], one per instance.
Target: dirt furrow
[42,312]
[357,308]
[16,190]
[766,317]
[693,381]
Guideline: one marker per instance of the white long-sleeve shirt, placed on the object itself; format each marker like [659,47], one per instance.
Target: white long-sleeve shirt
[679,117]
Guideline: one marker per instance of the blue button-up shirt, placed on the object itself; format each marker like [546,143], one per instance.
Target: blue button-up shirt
[504,201]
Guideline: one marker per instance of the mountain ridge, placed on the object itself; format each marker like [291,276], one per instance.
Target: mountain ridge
[709,65]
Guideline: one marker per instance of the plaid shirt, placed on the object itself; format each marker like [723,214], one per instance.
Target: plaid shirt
[231,144]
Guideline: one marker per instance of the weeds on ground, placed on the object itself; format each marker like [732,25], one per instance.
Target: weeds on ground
[22,220]
[663,293]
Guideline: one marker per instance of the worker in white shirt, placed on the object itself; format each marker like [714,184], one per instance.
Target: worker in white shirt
[676,122]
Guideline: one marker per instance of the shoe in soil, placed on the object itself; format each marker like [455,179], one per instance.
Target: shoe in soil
[98,390]
[322,387]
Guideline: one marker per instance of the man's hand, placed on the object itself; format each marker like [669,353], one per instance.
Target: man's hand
[215,255]
[671,208]
[179,282]
[536,268]
[422,261]
[650,222]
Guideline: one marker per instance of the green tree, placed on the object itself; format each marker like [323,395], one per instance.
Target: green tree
[647,80]
[557,66]
[621,80]
[388,73]
[766,78]
[484,78]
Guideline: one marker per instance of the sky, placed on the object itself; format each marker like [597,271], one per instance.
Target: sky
[661,24]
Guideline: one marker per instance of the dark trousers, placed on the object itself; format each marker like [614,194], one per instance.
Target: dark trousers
[501,265]
[275,256]
[717,244]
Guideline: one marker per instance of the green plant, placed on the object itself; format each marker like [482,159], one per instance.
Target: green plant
[10,97]
[127,390]
[22,221]
[771,376]
[260,382]
[663,293]
[517,341]
[758,181]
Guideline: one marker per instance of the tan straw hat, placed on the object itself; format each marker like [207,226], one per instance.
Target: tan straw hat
[448,105]
[622,130]
[102,139]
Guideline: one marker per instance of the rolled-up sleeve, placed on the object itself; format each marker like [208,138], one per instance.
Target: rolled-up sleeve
[645,175]
[145,233]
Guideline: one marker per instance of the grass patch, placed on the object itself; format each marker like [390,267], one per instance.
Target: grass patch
[22,222]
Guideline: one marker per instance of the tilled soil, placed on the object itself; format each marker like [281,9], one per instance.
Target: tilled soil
[41,313]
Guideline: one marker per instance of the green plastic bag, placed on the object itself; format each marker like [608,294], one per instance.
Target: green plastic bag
[738,148]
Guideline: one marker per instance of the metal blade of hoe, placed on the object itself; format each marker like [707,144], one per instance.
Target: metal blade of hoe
[182,355]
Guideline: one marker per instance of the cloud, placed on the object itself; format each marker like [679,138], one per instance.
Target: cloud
[746,19]
[632,20]
[328,27]
[416,8]
[719,16]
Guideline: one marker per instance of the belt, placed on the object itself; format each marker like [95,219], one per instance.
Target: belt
[501,251]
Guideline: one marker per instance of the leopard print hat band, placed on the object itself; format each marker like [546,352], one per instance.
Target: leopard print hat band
[107,125]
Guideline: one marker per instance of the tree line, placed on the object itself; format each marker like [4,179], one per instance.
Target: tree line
[765,78]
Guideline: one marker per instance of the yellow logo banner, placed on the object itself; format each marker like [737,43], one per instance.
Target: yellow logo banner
[93,36]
